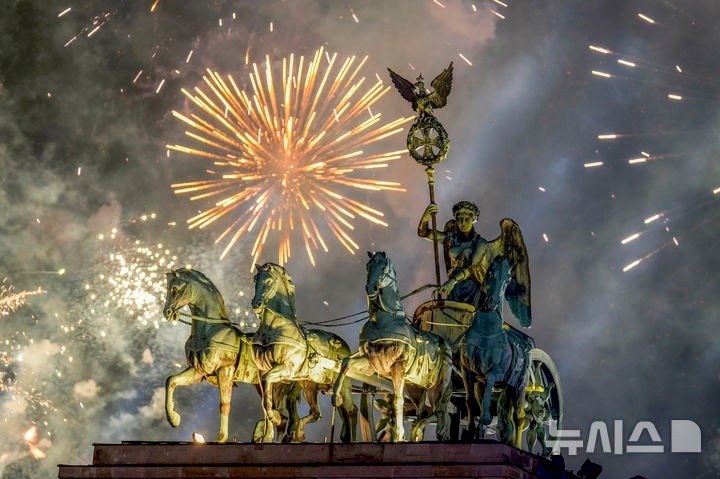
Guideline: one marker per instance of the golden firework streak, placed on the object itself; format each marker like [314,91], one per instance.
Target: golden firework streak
[283,158]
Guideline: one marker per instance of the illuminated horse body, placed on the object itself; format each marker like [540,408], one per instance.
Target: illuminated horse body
[284,351]
[216,351]
[487,358]
[418,363]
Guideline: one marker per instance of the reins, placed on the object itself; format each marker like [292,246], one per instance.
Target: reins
[325,323]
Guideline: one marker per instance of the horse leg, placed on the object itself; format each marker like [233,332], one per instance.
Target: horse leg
[519,416]
[348,413]
[259,431]
[225,384]
[472,404]
[278,373]
[505,414]
[290,399]
[440,396]
[185,378]
[398,379]
[356,362]
[310,391]
[490,379]
[423,416]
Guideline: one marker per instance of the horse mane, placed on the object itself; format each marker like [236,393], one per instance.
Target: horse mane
[199,277]
[286,278]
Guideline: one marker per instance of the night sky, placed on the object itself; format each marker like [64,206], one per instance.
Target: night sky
[85,187]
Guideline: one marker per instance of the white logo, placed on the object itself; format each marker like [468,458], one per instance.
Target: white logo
[685,436]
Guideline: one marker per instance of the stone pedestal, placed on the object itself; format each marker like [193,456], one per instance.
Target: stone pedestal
[362,460]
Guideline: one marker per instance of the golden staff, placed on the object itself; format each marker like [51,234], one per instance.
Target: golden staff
[427,140]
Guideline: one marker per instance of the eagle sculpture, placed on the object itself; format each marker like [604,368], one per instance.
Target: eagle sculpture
[422,100]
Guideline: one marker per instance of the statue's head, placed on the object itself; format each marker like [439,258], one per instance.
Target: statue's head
[466,214]
[420,86]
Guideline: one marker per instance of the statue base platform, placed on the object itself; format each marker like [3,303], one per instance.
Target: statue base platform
[159,460]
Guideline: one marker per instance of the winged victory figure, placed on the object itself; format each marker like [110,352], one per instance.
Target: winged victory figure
[423,101]
[511,246]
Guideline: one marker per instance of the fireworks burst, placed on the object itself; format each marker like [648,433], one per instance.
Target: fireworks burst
[11,300]
[283,156]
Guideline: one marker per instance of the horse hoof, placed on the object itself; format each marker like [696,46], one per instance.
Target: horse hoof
[222,437]
[173,418]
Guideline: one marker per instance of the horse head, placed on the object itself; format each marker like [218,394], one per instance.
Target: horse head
[179,293]
[496,280]
[380,273]
[272,280]
[189,287]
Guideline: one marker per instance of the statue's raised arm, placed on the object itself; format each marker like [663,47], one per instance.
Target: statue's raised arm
[460,241]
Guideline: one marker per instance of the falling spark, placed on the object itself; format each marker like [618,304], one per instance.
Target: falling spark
[285,152]
[438,3]
[675,241]
[466,60]
[500,3]
[92,32]
[187,60]
[626,63]
[137,76]
[594,164]
[652,218]
[271,26]
[541,189]
[601,74]
[545,237]
[497,14]
[162,82]
[31,435]
[604,51]
[632,161]
[67,10]
[632,265]
[630,238]
[674,96]
[716,191]
[677,67]
[154,6]
[646,18]
[610,136]
[474,8]
[79,170]
[354,16]
[646,155]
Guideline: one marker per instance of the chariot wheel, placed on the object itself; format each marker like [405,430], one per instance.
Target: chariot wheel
[544,374]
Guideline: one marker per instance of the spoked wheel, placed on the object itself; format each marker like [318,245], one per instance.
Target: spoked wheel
[544,384]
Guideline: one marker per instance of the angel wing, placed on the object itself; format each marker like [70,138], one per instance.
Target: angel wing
[405,87]
[511,245]
[442,84]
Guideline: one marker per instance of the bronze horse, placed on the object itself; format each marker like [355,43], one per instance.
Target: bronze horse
[488,358]
[285,351]
[418,363]
[216,351]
